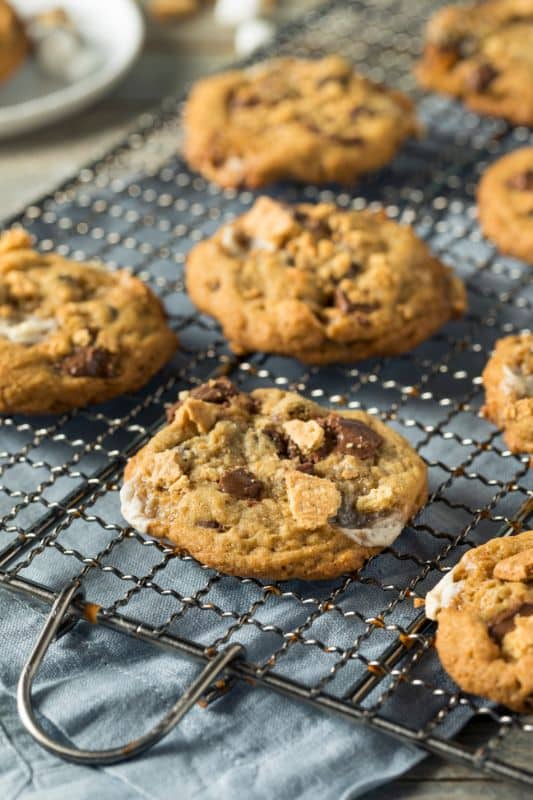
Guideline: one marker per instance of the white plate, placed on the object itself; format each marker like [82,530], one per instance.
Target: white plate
[115,28]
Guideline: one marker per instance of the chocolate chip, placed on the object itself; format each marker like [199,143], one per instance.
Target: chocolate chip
[89,362]
[307,467]
[171,410]
[347,141]
[279,439]
[216,391]
[209,523]
[505,622]
[481,77]
[354,437]
[349,517]
[344,304]
[523,182]
[241,484]
[317,226]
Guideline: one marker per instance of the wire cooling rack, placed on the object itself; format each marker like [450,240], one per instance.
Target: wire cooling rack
[355,645]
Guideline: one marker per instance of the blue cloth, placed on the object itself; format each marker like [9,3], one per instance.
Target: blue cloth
[99,688]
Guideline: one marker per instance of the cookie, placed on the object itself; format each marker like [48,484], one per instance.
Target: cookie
[310,121]
[483,54]
[172,10]
[321,284]
[505,203]
[72,334]
[484,607]
[271,485]
[14,46]
[508,380]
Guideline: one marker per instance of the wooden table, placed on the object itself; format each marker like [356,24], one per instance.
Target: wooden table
[34,164]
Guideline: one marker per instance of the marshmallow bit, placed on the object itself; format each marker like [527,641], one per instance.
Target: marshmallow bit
[442,595]
[31,330]
[381,533]
[253,34]
[233,12]
[515,382]
[132,508]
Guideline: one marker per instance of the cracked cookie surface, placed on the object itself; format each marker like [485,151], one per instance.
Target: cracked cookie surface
[482,53]
[505,203]
[508,381]
[73,333]
[484,608]
[321,284]
[311,121]
[14,45]
[272,485]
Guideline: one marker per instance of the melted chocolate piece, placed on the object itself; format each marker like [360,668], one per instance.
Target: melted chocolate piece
[343,302]
[280,441]
[218,391]
[504,623]
[241,484]
[481,77]
[354,437]
[307,467]
[523,182]
[349,517]
[89,362]
[171,410]
[209,523]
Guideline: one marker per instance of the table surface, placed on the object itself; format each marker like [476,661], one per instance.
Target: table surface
[34,164]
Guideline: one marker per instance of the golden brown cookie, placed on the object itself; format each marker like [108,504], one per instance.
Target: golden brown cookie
[72,334]
[311,121]
[484,607]
[483,53]
[14,46]
[321,284]
[269,484]
[505,203]
[508,380]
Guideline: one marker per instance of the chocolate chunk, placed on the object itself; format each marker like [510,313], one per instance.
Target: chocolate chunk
[505,622]
[307,467]
[217,391]
[279,439]
[171,410]
[344,304]
[481,77]
[89,362]
[346,141]
[209,523]
[318,226]
[354,437]
[329,444]
[523,182]
[349,517]
[241,484]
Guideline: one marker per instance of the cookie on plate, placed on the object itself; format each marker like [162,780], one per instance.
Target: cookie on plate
[321,284]
[484,608]
[72,334]
[311,121]
[482,53]
[505,203]
[14,46]
[508,380]
[271,485]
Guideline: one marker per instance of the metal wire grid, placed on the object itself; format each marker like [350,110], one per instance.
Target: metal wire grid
[355,645]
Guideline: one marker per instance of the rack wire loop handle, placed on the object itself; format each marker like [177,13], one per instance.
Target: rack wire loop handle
[114,755]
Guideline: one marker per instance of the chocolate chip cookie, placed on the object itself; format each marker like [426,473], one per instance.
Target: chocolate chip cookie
[14,45]
[484,608]
[508,380]
[505,203]
[269,484]
[310,121]
[483,53]
[72,334]
[321,284]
